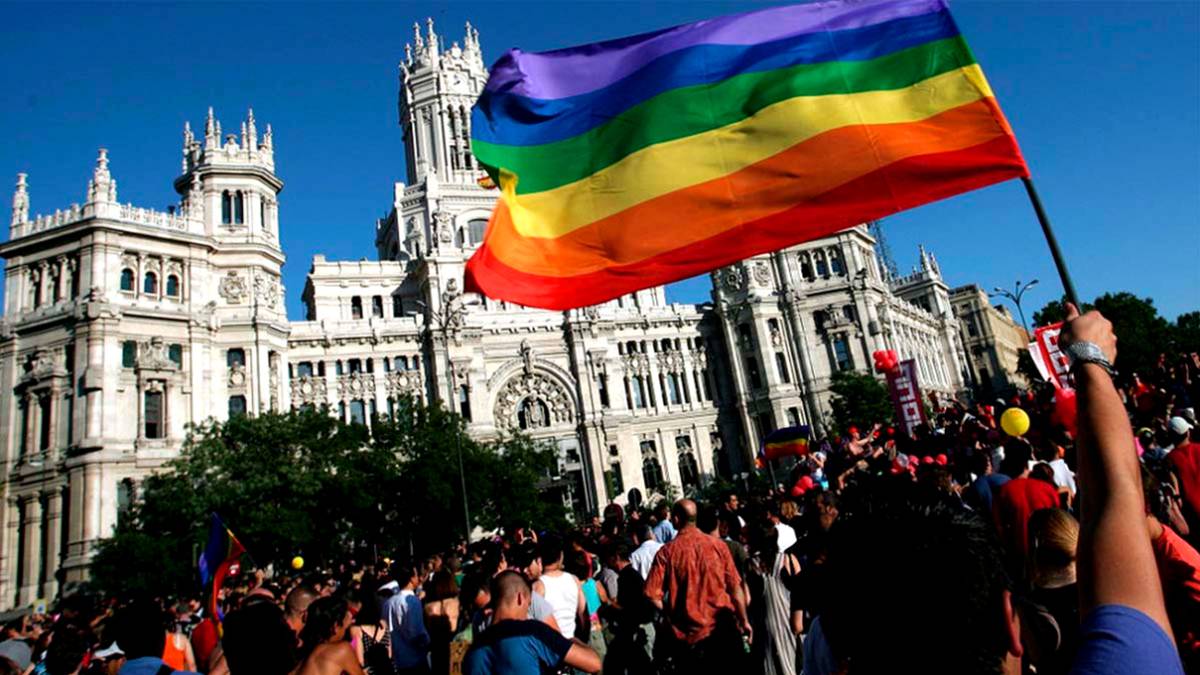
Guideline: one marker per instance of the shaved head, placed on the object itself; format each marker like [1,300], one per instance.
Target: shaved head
[299,599]
[508,586]
[684,512]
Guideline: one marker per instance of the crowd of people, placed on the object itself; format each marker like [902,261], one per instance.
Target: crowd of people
[1072,548]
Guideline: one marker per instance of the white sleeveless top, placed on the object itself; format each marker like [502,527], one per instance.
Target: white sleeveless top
[562,592]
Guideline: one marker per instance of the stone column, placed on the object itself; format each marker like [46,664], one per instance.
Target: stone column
[30,562]
[8,547]
[52,537]
[92,505]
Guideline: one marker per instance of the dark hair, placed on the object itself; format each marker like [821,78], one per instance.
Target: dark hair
[522,555]
[442,586]
[552,549]
[9,667]
[641,530]
[67,650]
[1043,472]
[324,615]
[1017,454]
[577,564]
[257,639]
[907,558]
[370,612]
[707,518]
[141,629]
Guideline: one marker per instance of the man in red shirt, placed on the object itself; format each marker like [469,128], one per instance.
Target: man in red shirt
[1017,499]
[1185,464]
[704,603]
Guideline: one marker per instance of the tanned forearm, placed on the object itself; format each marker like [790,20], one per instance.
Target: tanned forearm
[1116,563]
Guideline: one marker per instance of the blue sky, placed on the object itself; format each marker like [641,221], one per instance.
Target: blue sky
[1104,98]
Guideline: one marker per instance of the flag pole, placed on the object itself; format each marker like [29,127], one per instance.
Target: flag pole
[1055,252]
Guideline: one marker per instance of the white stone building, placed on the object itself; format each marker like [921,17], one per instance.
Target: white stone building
[124,324]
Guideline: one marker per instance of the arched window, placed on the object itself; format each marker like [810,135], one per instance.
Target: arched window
[127,280]
[532,413]
[239,205]
[172,285]
[150,285]
[401,363]
[822,266]
[476,229]
[806,268]
[226,208]
[835,263]
[356,307]
[689,471]
[652,475]
[377,306]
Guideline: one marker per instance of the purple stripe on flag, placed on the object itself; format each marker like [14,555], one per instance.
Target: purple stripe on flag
[577,70]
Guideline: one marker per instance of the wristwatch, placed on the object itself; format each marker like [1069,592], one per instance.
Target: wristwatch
[1088,352]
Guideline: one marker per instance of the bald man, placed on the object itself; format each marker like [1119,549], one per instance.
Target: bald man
[705,608]
[296,607]
[518,645]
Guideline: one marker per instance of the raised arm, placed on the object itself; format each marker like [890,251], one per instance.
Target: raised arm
[1116,563]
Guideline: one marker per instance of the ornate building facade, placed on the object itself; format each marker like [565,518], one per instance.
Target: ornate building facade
[123,325]
[993,341]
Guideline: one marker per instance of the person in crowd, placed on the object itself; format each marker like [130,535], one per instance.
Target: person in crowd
[1053,615]
[771,608]
[370,637]
[643,556]
[67,651]
[17,643]
[296,607]
[595,598]
[664,531]
[406,622]
[785,534]
[441,618]
[694,582]
[517,645]
[257,640]
[527,559]
[1179,569]
[562,590]
[177,652]
[1184,460]
[968,619]
[1054,454]
[324,649]
[141,630]
[1017,499]
[987,482]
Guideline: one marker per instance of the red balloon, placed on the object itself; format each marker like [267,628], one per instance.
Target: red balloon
[1065,410]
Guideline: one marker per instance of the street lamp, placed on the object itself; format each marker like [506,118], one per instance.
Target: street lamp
[443,325]
[1015,295]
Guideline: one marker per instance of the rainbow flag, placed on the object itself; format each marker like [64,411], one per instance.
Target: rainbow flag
[639,161]
[788,441]
[221,552]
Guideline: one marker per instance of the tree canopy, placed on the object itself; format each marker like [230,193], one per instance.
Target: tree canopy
[304,483]
[858,399]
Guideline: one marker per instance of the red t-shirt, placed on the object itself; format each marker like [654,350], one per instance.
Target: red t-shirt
[695,571]
[1185,460]
[204,641]
[1179,570]
[1012,505]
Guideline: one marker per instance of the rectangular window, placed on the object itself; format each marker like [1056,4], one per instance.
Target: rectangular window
[175,353]
[44,405]
[397,306]
[602,387]
[26,412]
[841,353]
[615,481]
[128,354]
[304,369]
[153,406]
[377,306]
[235,357]
[793,415]
[355,365]
[639,396]
[356,307]
[673,389]
[781,364]
[464,402]
[358,412]
[753,373]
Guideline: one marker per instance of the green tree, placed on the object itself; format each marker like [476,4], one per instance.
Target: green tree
[859,399]
[1187,332]
[306,483]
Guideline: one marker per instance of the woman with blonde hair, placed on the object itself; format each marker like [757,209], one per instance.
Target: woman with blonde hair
[1053,617]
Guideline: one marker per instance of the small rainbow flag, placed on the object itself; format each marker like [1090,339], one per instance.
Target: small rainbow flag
[643,160]
[785,442]
[221,552]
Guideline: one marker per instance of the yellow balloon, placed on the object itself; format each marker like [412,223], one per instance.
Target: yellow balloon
[297,563]
[1014,422]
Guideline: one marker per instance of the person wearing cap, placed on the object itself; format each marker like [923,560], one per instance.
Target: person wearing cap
[1184,460]
[110,658]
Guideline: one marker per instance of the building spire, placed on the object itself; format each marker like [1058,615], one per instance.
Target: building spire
[268,139]
[210,130]
[20,202]
[102,187]
[252,129]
